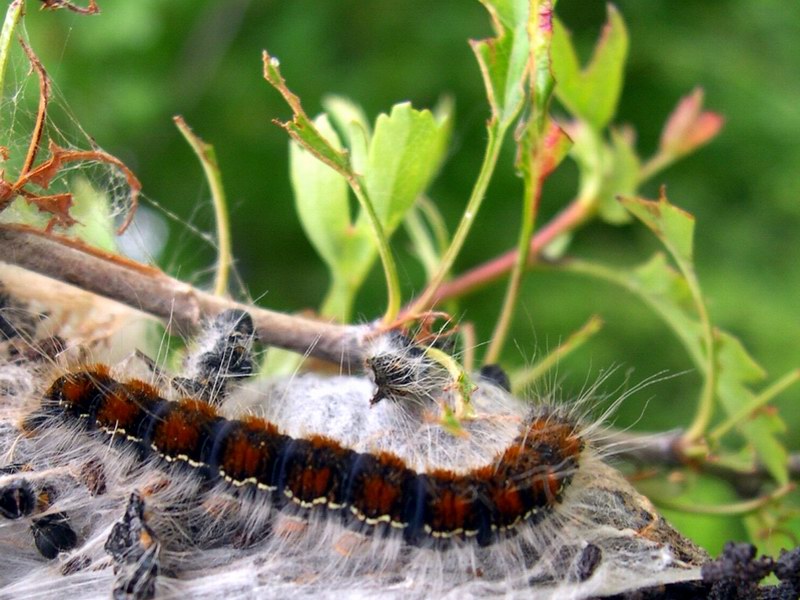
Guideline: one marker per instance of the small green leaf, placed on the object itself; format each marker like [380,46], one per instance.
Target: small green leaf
[668,293]
[737,368]
[591,94]
[503,59]
[673,226]
[350,119]
[405,153]
[321,199]
[620,178]
[606,170]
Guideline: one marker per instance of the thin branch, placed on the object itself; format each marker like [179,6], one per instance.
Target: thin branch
[179,304]
[41,112]
[737,508]
[749,409]
[525,377]
[666,449]
[208,160]
[575,213]
[430,297]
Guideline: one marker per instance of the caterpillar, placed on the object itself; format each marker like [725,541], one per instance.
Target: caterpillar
[519,485]
[173,495]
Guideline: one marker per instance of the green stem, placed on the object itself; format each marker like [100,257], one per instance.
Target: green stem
[527,376]
[503,324]
[705,406]
[575,214]
[656,163]
[421,241]
[208,159]
[338,303]
[737,508]
[707,363]
[435,222]
[394,298]
[623,280]
[462,381]
[531,151]
[762,399]
[496,132]
[13,15]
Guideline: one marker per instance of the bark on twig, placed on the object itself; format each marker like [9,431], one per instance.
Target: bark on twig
[180,305]
[663,449]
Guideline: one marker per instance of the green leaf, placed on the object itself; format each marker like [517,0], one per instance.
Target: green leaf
[620,178]
[737,368]
[663,289]
[405,153]
[350,119]
[321,199]
[607,170]
[673,226]
[667,292]
[503,59]
[591,94]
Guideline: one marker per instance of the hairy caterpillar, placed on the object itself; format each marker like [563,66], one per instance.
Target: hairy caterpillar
[148,522]
[518,485]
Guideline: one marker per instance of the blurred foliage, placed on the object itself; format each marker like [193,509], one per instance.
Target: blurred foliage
[125,73]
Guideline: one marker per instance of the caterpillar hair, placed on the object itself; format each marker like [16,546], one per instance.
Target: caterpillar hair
[308,486]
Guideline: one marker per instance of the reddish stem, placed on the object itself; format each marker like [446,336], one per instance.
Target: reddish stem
[569,218]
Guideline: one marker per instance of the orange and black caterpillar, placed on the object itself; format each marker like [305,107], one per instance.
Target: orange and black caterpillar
[367,490]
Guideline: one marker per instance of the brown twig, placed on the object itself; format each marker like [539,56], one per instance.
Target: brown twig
[90,9]
[41,112]
[179,304]
[665,449]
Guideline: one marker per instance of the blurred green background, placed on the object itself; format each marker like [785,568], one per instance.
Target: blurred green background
[125,73]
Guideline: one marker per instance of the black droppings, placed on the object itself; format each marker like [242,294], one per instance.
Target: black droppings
[496,375]
[53,534]
[590,558]
[17,499]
